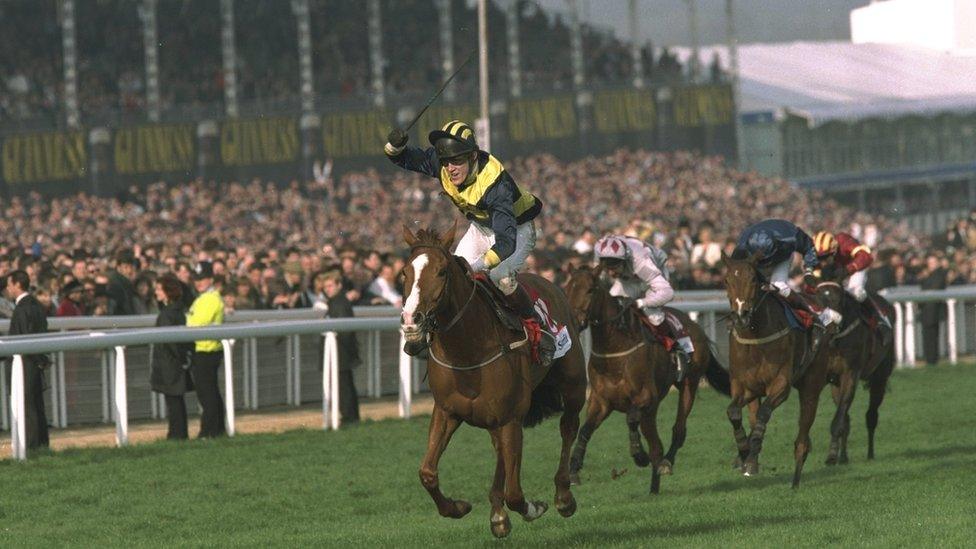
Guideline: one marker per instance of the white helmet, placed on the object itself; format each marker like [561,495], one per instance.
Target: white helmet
[611,247]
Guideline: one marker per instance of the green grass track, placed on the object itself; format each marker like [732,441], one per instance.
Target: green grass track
[359,486]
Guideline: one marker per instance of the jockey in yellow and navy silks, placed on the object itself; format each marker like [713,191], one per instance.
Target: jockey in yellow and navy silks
[502,233]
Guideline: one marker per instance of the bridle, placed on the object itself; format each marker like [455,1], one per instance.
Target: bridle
[427,320]
[588,313]
[746,320]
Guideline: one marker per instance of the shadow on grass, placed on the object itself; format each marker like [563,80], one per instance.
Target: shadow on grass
[640,534]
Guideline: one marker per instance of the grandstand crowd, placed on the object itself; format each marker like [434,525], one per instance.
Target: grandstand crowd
[111,60]
[270,242]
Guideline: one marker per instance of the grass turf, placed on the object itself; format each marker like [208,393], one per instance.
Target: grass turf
[359,486]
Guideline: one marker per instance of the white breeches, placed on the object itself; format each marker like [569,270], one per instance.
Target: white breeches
[479,239]
[637,289]
[855,285]
[779,277]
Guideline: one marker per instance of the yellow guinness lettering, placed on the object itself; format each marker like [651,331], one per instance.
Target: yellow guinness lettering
[154,149]
[258,141]
[39,157]
[623,111]
[530,120]
[355,134]
[703,106]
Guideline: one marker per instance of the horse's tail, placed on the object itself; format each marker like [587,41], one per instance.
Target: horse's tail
[717,376]
[547,400]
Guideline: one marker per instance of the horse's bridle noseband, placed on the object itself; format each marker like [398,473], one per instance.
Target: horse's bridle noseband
[427,320]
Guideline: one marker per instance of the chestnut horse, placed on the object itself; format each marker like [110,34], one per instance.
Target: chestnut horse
[856,353]
[631,373]
[481,373]
[766,358]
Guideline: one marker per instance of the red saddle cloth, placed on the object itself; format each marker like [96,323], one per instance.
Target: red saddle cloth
[659,332]
[803,317]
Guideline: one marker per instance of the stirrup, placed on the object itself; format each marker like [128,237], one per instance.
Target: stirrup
[547,349]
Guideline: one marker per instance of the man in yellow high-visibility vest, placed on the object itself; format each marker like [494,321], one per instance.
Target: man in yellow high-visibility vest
[207,310]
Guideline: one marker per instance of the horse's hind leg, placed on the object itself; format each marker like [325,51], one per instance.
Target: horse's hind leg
[876,386]
[501,526]
[637,452]
[843,396]
[809,398]
[648,425]
[597,410]
[686,400]
[442,426]
[511,437]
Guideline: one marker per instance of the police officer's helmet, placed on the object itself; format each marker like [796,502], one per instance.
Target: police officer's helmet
[453,140]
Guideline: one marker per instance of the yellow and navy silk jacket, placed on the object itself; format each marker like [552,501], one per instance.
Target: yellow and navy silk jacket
[490,197]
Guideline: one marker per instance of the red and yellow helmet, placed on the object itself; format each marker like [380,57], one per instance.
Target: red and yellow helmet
[825,244]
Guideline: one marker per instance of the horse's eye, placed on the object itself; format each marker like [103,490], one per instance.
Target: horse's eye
[442,273]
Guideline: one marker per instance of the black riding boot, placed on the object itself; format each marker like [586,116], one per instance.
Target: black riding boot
[818,329]
[519,301]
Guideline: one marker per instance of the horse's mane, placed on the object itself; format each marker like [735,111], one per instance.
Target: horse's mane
[428,237]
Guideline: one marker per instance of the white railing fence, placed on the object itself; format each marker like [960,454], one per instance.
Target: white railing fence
[704,308]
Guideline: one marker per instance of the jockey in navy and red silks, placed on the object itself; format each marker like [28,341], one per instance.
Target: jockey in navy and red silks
[774,241]
[639,272]
[502,232]
[847,253]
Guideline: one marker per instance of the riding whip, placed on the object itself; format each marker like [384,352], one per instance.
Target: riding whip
[439,91]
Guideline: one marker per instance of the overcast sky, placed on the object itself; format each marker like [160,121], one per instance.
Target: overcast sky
[665,22]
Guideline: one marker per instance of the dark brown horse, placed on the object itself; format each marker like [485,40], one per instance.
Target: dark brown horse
[766,358]
[481,373]
[856,353]
[631,373]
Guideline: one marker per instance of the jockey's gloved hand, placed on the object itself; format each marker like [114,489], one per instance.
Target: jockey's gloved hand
[640,303]
[479,265]
[397,137]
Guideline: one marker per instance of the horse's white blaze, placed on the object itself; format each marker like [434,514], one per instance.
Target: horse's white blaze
[413,299]
[739,303]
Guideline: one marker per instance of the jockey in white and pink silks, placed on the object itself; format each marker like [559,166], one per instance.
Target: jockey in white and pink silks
[639,272]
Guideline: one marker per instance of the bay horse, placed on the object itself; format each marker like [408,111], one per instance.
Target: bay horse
[481,372]
[856,353]
[630,374]
[766,358]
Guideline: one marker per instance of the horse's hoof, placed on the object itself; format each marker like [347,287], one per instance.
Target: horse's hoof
[566,509]
[664,468]
[831,460]
[574,479]
[737,463]
[535,510]
[843,460]
[750,469]
[641,459]
[500,525]
[459,509]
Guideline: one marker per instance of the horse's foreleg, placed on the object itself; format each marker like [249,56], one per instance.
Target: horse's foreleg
[775,396]
[843,395]
[809,398]
[442,427]
[511,436]
[637,452]
[596,411]
[569,426]
[689,388]
[648,425]
[501,526]
[734,412]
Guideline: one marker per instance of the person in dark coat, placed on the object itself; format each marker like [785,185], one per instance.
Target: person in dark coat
[339,307]
[29,318]
[168,372]
[121,289]
[931,313]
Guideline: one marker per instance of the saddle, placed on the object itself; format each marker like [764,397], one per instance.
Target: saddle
[659,333]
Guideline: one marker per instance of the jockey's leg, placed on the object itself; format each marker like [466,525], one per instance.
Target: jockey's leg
[475,243]
[680,350]
[780,280]
[855,287]
[504,277]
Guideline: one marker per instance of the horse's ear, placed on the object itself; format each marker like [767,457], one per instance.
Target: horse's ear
[725,259]
[408,236]
[754,258]
[598,270]
[447,239]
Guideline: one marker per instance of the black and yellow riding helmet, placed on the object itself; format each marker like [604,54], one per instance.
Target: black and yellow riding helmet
[453,140]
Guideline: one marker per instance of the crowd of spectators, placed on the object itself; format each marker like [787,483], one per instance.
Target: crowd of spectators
[111,58]
[271,245]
